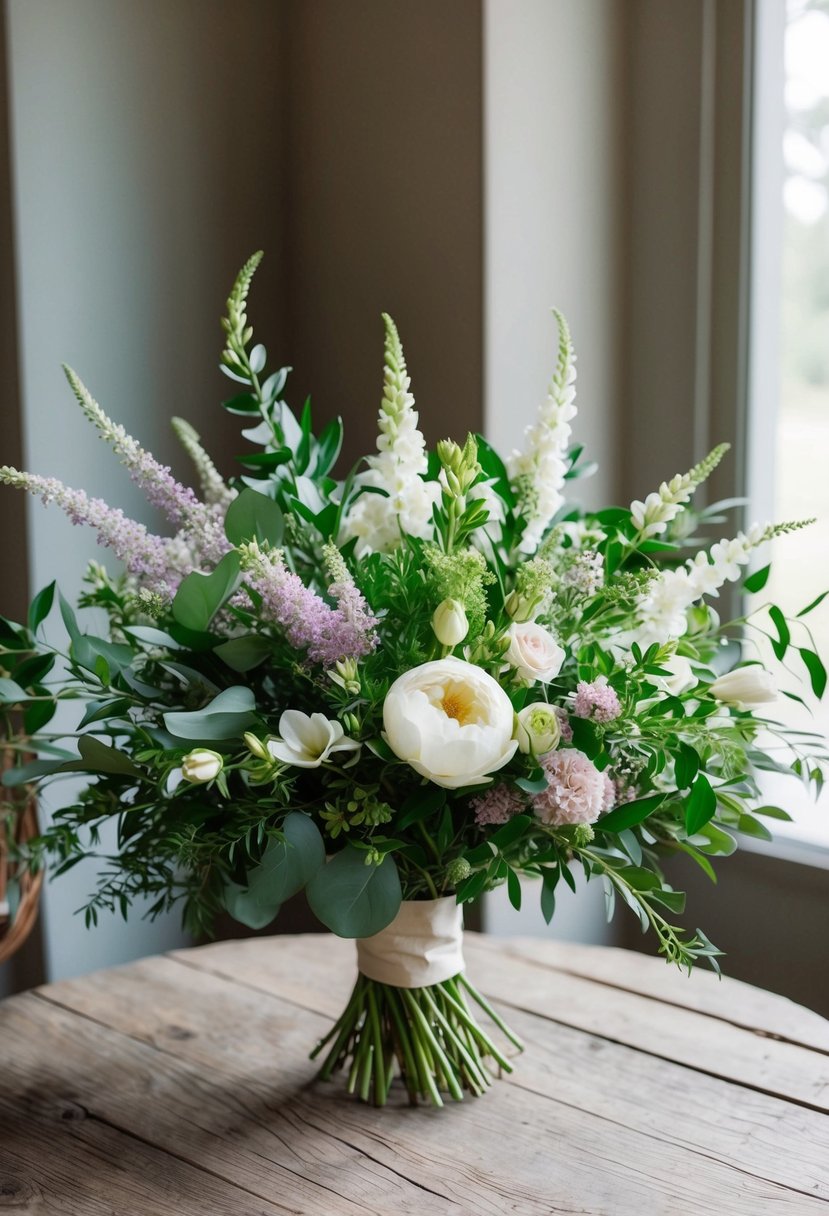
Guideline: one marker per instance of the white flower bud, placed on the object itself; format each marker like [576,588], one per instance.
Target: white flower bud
[450,623]
[201,765]
[745,687]
[519,608]
[537,729]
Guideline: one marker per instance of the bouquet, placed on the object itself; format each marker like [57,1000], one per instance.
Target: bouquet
[397,691]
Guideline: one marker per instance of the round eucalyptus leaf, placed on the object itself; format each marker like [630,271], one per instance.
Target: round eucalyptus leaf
[353,899]
[286,866]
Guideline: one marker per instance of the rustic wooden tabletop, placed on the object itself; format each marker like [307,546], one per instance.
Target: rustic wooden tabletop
[180,1086]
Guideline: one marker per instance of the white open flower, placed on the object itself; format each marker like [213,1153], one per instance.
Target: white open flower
[201,765]
[308,740]
[533,652]
[745,687]
[451,721]
[538,729]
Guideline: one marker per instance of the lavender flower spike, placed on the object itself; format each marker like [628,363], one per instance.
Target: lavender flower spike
[143,554]
[357,620]
[308,622]
[178,502]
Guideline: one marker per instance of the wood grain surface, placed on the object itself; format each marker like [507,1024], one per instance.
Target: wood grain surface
[180,1086]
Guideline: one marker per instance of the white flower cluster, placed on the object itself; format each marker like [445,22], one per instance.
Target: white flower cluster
[662,610]
[538,471]
[405,505]
[652,516]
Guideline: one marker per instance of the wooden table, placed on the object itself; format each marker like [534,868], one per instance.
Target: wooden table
[181,1085]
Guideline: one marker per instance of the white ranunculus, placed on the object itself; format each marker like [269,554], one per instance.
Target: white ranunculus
[450,623]
[745,687]
[538,729]
[533,652]
[201,765]
[681,678]
[308,740]
[451,721]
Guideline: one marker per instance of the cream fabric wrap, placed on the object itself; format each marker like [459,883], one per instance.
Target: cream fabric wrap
[421,946]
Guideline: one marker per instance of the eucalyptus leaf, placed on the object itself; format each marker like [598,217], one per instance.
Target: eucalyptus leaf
[243,654]
[353,899]
[227,716]
[286,866]
[98,757]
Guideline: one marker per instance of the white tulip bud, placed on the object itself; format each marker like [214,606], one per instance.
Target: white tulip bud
[519,608]
[537,729]
[450,623]
[201,765]
[745,687]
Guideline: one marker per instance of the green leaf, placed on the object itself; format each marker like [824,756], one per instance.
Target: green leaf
[96,711]
[716,842]
[227,716]
[686,766]
[153,636]
[750,826]
[675,900]
[69,618]
[773,812]
[353,899]
[243,654]
[514,889]
[511,831]
[816,670]
[426,803]
[757,580]
[97,757]
[41,606]
[10,692]
[814,604]
[700,805]
[548,899]
[630,813]
[287,865]
[781,645]
[33,670]
[200,596]
[254,516]
[31,771]
[532,785]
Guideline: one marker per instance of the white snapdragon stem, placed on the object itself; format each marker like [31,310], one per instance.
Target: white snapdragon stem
[651,517]
[662,609]
[377,520]
[538,471]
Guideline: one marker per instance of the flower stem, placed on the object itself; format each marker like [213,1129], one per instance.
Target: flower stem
[428,1035]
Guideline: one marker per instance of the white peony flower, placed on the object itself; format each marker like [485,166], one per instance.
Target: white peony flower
[533,652]
[537,729]
[744,687]
[201,765]
[451,721]
[307,741]
[450,623]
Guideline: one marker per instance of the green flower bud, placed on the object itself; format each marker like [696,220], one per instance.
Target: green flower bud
[457,871]
[450,623]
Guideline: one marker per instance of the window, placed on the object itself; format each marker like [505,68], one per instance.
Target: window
[789,399]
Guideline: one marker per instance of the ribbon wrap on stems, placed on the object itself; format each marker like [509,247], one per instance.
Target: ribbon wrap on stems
[422,946]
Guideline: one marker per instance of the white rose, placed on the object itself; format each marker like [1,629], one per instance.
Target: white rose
[450,623]
[451,721]
[533,652]
[308,740]
[538,729]
[745,687]
[201,765]
[681,678]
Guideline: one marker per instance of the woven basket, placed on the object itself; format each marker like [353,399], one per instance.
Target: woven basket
[13,933]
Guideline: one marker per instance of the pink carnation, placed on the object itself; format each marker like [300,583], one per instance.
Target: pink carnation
[497,805]
[597,701]
[576,792]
